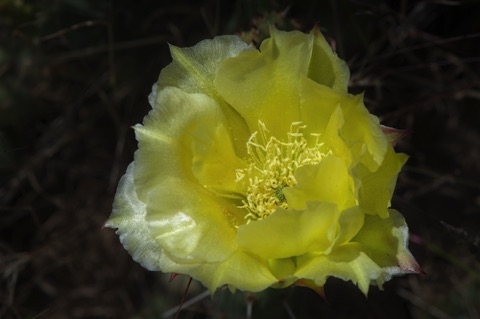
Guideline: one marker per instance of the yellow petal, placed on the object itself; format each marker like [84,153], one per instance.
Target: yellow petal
[214,160]
[241,270]
[377,187]
[264,85]
[164,139]
[193,69]
[175,141]
[326,67]
[378,252]
[329,181]
[333,138]
[347,262]
[363,134]
[317,105]
[289,233]
[184,215]
[283,270]
[350,222]
[189,222]
[386,242]
[128,217]
[326,112]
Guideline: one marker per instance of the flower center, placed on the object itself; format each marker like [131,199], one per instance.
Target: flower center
[272,166]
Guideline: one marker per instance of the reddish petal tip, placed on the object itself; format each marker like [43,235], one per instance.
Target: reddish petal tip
[394,135]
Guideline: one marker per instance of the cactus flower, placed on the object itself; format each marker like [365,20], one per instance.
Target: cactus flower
[256,168]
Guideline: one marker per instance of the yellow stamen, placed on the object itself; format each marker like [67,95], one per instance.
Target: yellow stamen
[272,167]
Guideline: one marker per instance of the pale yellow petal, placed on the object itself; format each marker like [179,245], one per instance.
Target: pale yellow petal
[193,69]
[214,160]
[128,217]
[172,178]
[174,141]
[190,223]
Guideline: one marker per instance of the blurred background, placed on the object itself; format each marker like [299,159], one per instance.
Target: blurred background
[75,76]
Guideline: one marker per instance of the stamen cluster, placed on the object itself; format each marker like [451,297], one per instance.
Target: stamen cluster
[272,167]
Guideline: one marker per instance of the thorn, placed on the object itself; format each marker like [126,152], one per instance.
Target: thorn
[173,275]
[183,298]
[250,298]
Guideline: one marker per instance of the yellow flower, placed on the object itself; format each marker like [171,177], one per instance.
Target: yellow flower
[256,168]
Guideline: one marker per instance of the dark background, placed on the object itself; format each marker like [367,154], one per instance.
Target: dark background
[75,76]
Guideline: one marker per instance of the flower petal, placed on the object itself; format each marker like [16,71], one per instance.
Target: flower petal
[214,160]
[241,270]
[361,140]
[164,139]
[264,85]
[329,181]
[189,223]
[378,252]
[128,217]
[289,233]
[326,67]
[317,105]
[386,240]
[193,69]
[377,187]
[175,136]
[350,222]
[364,134]
[185,217]
[347,262]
